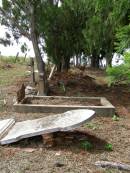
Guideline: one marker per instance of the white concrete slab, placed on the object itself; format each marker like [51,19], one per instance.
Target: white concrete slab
[60,122]
[5,125]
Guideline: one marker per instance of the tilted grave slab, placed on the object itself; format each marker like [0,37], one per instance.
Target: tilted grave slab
[5,125]
[60,122]
[104,107]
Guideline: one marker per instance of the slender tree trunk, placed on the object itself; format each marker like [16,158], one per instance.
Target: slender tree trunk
[80,61]
[43,86]
[25,57]
[77,62]
[17,55]
[66,64]
[58,66]
[32,71]
[109,62]
[74,61]
[94,61]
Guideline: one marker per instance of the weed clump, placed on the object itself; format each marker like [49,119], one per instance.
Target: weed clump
[86,145]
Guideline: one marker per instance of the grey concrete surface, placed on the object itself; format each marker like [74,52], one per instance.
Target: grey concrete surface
[106,108]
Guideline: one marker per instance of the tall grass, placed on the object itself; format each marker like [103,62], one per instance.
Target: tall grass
[13,60]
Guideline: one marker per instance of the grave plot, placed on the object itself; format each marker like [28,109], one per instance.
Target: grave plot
[60,104]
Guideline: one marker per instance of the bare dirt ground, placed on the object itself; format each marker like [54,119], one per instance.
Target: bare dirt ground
[59,101]
[30,156]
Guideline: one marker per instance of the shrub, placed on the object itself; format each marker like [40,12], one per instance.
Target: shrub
[120,74]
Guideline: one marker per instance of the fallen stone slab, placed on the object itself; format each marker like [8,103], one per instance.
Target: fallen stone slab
[59,122]
[5,125]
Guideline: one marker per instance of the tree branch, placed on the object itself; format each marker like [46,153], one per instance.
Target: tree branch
[15,23]
[24,8]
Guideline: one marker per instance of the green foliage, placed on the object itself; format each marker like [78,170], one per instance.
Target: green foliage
[81,27]
[99,21]
[123,38]
[123,31]
[14,16]
[108,147]
[62,27]
[24,48]
[120,74]
[115,118]
[104,19]
[86,145]
[6,4]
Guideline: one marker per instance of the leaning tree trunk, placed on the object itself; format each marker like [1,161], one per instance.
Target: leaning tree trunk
[43,85]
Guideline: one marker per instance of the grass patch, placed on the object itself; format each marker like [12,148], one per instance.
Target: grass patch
[13,60]
[8,76]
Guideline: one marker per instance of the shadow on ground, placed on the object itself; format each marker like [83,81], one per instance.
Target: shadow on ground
[65,141]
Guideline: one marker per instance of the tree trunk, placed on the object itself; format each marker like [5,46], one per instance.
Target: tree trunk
[80,61]
[25,57]
[32,71]
[77,62]
[94,61]
[109,62]
[17,55]
[66,64]
[43,85]
[59,66]
[74,61]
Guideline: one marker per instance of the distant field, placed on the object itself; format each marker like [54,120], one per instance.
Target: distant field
[11,69]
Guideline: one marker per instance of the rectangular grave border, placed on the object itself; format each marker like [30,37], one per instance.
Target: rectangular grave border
[107,109]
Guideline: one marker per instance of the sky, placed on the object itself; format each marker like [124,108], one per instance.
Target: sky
[15,48]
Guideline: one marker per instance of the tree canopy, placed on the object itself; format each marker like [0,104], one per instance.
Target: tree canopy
[65,29]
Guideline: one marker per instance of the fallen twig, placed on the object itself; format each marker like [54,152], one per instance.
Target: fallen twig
[120,166]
